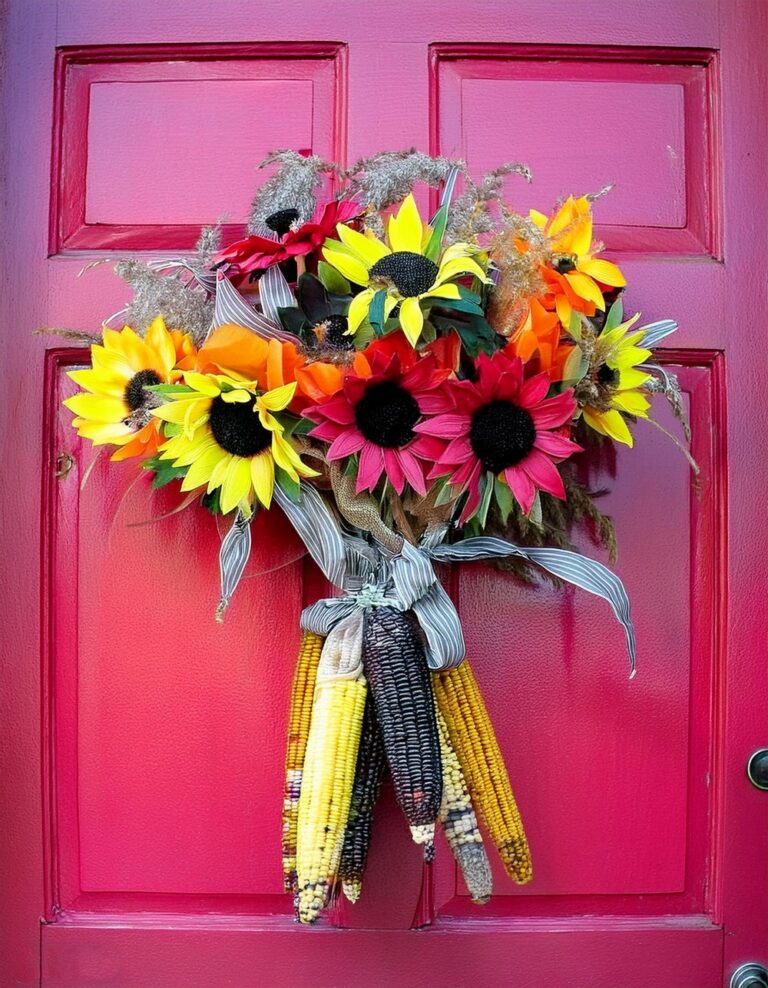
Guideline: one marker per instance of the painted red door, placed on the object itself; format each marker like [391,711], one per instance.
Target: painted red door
[142,743]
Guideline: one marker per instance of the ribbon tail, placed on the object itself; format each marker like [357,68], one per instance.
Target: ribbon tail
[233,556]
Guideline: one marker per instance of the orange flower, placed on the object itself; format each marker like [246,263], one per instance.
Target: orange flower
[539,338]
[234,350]
[576,279]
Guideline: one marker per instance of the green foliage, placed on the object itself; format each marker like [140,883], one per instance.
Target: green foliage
[333,281]
[164,471]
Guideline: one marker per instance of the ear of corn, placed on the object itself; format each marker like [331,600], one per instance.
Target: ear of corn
[368,775]
[473,738]
[459,822]
[396,667]
[329,767]
[302,695]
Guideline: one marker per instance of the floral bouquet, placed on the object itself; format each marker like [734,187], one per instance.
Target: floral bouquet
[407,391]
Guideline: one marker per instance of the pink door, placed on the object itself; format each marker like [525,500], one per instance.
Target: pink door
[143,743]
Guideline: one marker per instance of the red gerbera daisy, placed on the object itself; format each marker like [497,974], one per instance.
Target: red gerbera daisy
[258,253]
[502,424]
[376,416]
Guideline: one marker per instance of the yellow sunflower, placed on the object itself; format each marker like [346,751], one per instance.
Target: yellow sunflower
[618,382]
[576,272]
[404,268]
[229,438]
[114,407]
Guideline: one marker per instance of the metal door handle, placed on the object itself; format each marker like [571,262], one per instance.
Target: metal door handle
[757,768]
[749,976]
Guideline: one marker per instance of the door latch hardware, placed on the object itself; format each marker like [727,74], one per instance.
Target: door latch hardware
[64,463]
[749,976]
[757,768]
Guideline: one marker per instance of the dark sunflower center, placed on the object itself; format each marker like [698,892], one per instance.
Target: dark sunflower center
[236,428]
[280,222]
[606,376]
[331,333]
[564,263]
[386,414]
[135,395]
[501,435]
[412,274]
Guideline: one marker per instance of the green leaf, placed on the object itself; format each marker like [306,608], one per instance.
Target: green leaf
[376,312]
[614,317]
[211,501]
[534,515]
[168,389]
[303,427]
[292,319]
[333,280]
[460,305]
[478,336]
[172,429]
[446,493]
[287,484]
[485,499]
[574,326]
[164,471]
[575,366]
[438,224]
[505,499]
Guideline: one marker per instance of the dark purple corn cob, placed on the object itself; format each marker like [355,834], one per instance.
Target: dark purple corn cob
[396,668]
[369,772]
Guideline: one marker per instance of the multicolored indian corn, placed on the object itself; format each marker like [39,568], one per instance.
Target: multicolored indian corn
[329,772]
[457,815]
[302,694]
[396,667]
[368,775]
[473,738]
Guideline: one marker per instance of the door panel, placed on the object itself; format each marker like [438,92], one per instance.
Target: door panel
[149,842]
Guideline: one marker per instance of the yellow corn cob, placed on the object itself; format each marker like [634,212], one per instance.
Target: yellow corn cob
[472,736]
[329,772]
[457,816]
[302,694]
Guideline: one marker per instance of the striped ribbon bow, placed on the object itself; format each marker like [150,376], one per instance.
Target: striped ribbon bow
[371,576]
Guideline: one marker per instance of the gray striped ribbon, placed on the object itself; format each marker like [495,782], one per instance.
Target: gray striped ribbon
[449,186]
[655,332]
[233,556]
[370,577]
[231,307]
[274,293]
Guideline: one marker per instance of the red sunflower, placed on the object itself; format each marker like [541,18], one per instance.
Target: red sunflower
[376,416]
[505,425]
[259,253]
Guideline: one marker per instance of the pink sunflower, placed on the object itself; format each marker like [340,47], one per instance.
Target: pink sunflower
[505,425]
[376,416]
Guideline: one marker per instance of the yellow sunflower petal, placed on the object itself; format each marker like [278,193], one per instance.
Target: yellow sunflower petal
[449,290]
[538,219]
[341,258]
[99,382]
[203,383]
[101,433]
[236,485]
[579,240]
[278,398]
[630,378]
[237,396]
[178,411]
[585,288]
[358,309]
[411,319]
[610,423]
[564,310]
[98,408]
[404,230]
[460,266]
[202,466]
[605,272]
[369,249]
[632,402]
[263,476]
[161,341]
[219,471]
